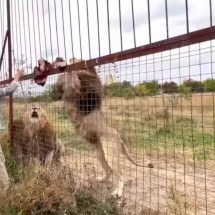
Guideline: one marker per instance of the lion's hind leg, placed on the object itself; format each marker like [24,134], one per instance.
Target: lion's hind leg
[112,150]
[49,157]
[104,163]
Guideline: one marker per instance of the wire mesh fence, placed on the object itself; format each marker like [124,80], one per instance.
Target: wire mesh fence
[155,61]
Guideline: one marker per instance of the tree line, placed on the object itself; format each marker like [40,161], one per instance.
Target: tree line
[151,88]
[126,90]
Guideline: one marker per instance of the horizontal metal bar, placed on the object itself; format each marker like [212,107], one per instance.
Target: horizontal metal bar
[3,48]
[163,45]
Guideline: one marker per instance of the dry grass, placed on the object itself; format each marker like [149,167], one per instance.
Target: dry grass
[52,191]
[177,204]
[40,191]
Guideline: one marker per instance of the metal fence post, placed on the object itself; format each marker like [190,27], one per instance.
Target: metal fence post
[10,70]
[3,49]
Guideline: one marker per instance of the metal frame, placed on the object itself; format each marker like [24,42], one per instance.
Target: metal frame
[164,45]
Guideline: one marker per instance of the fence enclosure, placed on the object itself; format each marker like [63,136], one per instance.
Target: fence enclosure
[156,63]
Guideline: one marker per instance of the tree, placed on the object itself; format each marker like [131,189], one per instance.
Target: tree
[195,86]
[170,87]
[52,93]
[209,85]
[126,84]
[124,89]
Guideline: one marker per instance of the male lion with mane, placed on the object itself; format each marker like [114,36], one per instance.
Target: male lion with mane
[82,94]
[41,137]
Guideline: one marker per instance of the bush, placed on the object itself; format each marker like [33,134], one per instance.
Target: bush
[141,90]
[128,93]
[209,85]
[183,89]
[152,87]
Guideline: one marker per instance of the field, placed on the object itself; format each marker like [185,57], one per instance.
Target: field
[175,133]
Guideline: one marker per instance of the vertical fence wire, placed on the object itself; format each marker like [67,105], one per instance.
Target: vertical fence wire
[133,22]
[34,27]
[64,39]
[71,31]
[56,27]
[38,26]
[203,138]
[21,45]
[108,26]
[167,21]
[187,16]
[29,33]
[149,21]
[50,30]
[3,31]
[120,25]
[88,28]
[44,29]
[10,70]
[98,25]
[211,14]
[79,30]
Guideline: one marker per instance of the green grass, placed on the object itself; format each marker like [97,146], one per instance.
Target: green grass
[87,204]
[66,133]
[178,136]
[182,135]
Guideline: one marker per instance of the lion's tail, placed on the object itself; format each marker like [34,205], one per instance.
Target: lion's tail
[127,154]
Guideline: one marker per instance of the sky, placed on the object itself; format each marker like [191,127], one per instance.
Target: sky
[79,28]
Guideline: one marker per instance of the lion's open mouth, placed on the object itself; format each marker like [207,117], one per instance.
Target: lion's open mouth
[34,114]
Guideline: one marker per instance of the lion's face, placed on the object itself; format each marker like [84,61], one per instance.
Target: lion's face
[35,115]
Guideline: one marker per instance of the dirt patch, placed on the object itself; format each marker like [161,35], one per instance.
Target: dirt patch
[170,188]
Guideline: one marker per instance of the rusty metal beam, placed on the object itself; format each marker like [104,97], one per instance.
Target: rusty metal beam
[199,36]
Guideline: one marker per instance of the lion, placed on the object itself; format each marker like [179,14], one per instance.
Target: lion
[82,95]
[17,148]
[44,144]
